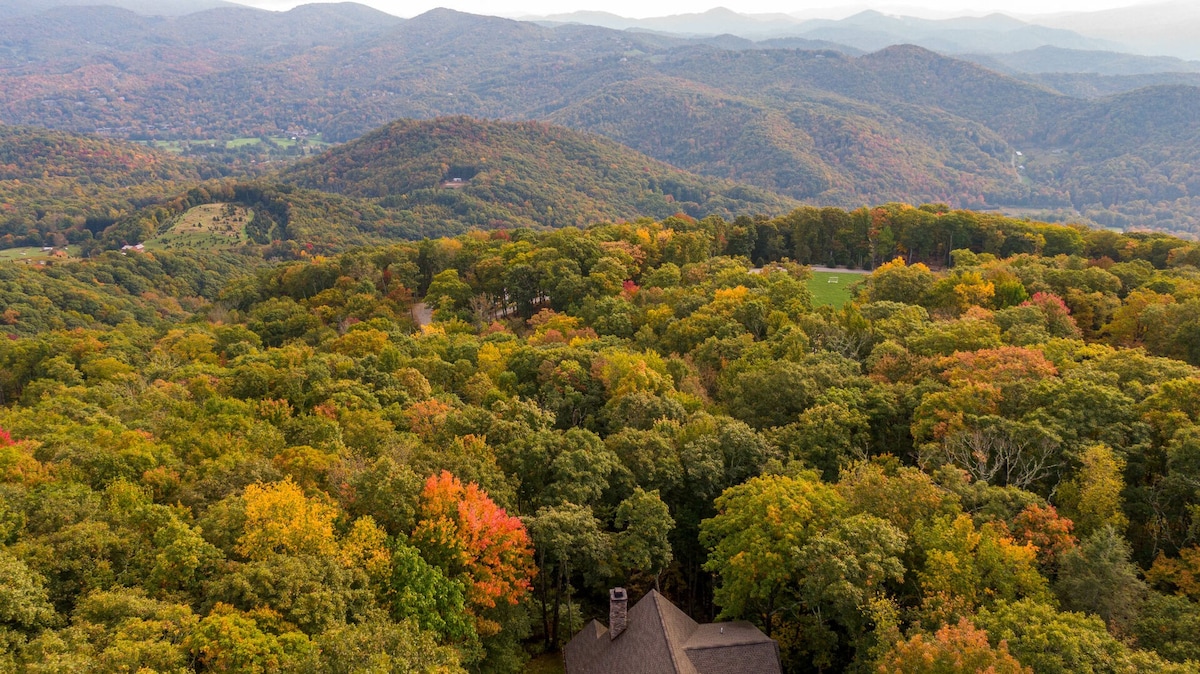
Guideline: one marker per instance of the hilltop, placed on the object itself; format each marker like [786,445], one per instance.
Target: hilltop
[488,173]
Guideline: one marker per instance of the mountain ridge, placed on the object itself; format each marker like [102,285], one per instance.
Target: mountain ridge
[903,123]
[521,173]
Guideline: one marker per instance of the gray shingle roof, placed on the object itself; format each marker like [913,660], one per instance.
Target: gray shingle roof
[661,639]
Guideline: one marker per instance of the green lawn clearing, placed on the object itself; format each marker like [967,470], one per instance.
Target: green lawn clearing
[36,254]
[209,226]
[833,287]
[308,144]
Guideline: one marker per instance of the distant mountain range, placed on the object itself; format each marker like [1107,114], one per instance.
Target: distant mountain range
[1161,29]
[799,118]
[868,31]
[16,8]
[1158,28]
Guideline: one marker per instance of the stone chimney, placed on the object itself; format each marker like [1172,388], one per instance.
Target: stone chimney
[618,612]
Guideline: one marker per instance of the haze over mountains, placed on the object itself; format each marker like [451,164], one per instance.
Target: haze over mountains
[1064,133]
[1166,28]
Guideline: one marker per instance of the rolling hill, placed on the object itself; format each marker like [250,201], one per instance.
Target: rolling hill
[407,180]
[489,174]
[903,123]
[58,187]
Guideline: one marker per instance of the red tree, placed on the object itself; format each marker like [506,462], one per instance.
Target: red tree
[460,529]
[1046,529]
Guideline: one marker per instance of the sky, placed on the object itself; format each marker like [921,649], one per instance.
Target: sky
[807,8]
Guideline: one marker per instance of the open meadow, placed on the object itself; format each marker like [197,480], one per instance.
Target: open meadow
[207,226]
[834,287]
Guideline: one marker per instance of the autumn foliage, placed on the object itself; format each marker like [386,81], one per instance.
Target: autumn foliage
[462,530]
[952,650]
[1181,574]
[1048,531]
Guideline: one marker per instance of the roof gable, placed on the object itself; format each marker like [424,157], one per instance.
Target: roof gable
[661,639]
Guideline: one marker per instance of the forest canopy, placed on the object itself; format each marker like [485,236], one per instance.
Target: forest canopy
[991,455]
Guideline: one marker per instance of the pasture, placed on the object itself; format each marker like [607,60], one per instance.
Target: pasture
[207,226]
[306,144]
[36,254]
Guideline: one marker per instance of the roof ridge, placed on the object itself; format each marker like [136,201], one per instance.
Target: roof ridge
[662,623]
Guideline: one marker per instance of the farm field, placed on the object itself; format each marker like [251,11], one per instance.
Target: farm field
[34,254]
[314,143]
[207,226]
[833,288]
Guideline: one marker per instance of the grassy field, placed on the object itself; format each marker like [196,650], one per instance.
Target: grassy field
[207,226]
[30,254]
[314,144]
[833,287]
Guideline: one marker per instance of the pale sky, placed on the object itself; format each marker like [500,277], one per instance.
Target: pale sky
[807,8]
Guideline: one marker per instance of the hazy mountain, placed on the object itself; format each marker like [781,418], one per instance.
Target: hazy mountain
[62,38]
[717,21]
[15,8]
[996,33]
[867,31]
[1168,28]
[1050,59]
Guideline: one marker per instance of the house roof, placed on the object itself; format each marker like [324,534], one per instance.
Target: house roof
[661,639]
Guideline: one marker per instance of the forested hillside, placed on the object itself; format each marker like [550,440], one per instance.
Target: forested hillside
[899,124]
[58,188]
[406,181]
[281,472]
[490,174]
[346,343]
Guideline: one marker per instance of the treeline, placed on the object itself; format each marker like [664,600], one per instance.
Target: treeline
[866,237]
[993,464]
[289,222]
[113,288]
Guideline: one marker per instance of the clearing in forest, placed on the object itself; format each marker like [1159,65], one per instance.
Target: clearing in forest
[33,255]
[833,287]
[206,226]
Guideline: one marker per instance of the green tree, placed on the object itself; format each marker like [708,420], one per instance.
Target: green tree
[1097,577]
[1092,499]
[758,526]
[1052,641]
[644,523]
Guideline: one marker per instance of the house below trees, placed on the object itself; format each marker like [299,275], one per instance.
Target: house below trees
[655,637]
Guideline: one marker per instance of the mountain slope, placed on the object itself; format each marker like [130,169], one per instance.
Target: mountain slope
[517,174]
[903,123]
[57,187]
[15,8]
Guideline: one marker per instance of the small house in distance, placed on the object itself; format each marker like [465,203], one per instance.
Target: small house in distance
[655,637]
